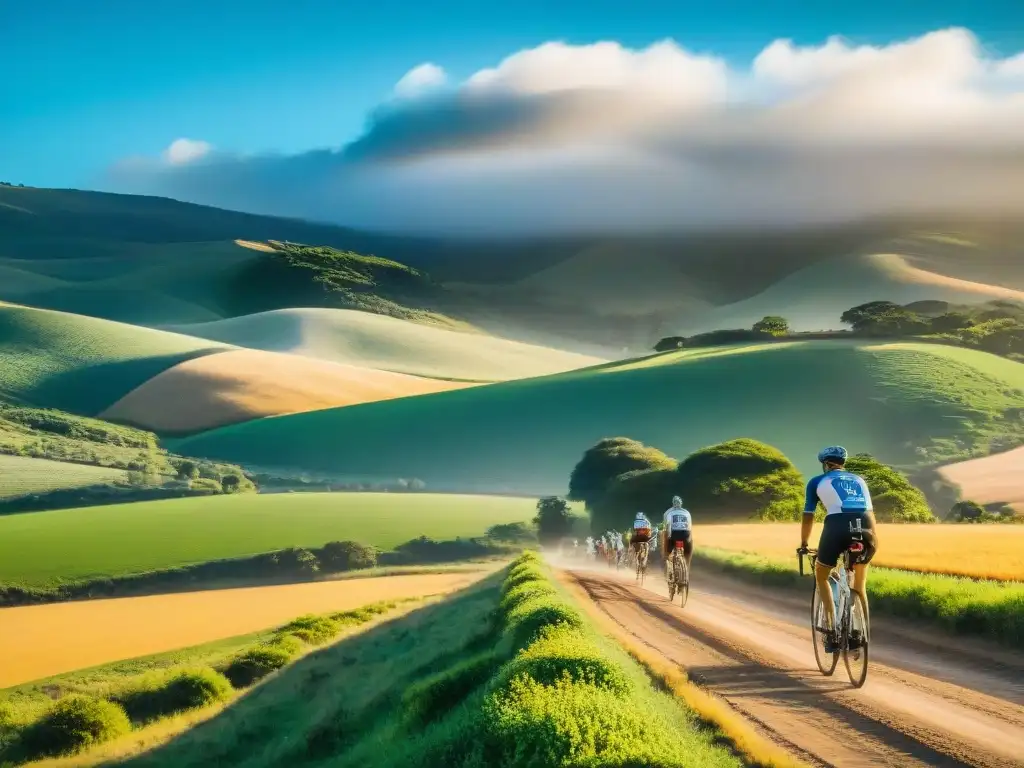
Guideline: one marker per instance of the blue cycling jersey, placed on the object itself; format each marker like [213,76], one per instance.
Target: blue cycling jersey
[838,491]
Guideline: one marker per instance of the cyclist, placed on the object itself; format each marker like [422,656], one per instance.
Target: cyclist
[848,511]
[641,532]
[677,526]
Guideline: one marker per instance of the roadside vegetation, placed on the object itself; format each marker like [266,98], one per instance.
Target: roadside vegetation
[990,609]
[508,673]
[100,705]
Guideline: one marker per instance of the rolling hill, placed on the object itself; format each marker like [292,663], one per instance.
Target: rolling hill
[908,404]
[22,476]
[389,344]
[82,364]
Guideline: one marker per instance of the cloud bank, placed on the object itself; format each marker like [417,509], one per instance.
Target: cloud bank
[600,137]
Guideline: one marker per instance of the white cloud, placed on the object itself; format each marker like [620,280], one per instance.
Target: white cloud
[182,151]
[587,136]
[419,79]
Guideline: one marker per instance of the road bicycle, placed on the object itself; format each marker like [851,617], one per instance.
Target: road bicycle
[853,629]
[679,583]
[641,562]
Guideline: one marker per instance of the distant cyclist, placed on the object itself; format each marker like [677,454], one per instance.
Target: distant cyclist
[678,526]
[848,512]
[641,532]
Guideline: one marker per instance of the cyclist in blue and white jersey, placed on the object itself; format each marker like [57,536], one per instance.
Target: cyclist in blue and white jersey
[848,512]
[677,525]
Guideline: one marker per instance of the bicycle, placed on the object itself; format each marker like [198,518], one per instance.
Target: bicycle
[680,581]
[641,562]
[854,627]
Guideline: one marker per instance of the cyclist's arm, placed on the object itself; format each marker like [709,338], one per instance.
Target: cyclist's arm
[810,507]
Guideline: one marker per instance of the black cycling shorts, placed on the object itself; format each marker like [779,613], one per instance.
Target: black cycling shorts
[839,532]
[684,536]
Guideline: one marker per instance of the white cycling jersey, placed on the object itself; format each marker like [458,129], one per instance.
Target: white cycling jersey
[839,491]
[641,522]
[678,519]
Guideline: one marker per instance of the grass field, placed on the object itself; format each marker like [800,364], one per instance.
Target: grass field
[388,343]
[111,630]
[995,479]
[239,385]
[82,364]
[21,476]
[905,403]
[980,551]
[44,548]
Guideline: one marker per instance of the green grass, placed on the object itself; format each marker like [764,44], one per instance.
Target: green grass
[990,609]
[23,476]
[45,548]
[907,404]
[82,364]
[389,343]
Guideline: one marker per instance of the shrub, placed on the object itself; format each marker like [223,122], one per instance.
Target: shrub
[437,695]
[895,500]
[73,724]
[288,643]
[523,592]
[563,652]
[315,630]
[519,577]
[608,459]
[204,484]
[338,556]
[179,692]
[526,621]
[256,663]
[648,490]
[297,561]
[511,533]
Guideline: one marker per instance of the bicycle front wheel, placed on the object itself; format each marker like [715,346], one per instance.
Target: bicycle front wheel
[826,661]
[857,640]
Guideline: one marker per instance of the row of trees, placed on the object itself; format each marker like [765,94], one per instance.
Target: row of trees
[738,480]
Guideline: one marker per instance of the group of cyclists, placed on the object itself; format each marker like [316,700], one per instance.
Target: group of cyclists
[848,513]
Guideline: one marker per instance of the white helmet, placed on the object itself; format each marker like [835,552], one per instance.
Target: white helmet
[676,501]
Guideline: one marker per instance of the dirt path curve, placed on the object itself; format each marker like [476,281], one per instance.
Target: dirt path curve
[926,703]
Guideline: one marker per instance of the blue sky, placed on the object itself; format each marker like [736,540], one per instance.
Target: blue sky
[90,83]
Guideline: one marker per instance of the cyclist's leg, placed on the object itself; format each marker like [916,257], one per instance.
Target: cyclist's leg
[688,549]
[860,568]
[833,542]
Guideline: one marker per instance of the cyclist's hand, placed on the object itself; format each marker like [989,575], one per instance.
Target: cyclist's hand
[802,549]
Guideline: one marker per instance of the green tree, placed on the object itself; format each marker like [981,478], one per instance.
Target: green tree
[230,483]
[187,469]
[895,499]
[951,321]
[337,556]
[773,324]
[609,458]
[884,318]
[669,343]
[645,490]
[741,479]
[966,510]
[553,520]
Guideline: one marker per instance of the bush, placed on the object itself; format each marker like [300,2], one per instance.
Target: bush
[648,490]
[742,480]
[288,643]
[526,621]
[297,561]
[563,652]
[188,689]
[521,575]
[73,724]
[512,533]
[315,630]
[895,500]
[608,459]
[339,556]
[257,663]
[437,695]
[524,591]
[204,484]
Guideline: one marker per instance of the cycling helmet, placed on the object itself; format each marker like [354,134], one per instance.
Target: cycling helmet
[833,453]
[639,515]
[677,501]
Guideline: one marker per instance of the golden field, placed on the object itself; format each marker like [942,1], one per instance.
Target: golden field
[982,551]
[46,640]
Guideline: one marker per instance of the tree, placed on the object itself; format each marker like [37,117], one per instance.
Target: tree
[669,343]
[512,533]
[884,318]
[951,321]
[187,470]
[773,324]
[966,510]
[553,520]
[895,499]
[644,490]
[606,460]
[338,556]
[741,479]
[230,483]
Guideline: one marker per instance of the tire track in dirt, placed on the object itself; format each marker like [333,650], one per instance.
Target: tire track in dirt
[757,656]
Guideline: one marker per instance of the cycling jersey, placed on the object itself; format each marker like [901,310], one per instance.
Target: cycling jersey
[678,519]
[839,491]
[641,522]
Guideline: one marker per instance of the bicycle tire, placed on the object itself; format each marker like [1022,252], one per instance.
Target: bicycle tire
[672,586]
[862,653]
[684,582]
[818,638]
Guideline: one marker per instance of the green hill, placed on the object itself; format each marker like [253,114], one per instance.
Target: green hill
[82,364]
[21,476]
[908,404]
[388,343]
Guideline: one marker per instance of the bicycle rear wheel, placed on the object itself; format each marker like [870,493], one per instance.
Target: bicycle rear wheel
[826,661]
[683,574]
[857,633]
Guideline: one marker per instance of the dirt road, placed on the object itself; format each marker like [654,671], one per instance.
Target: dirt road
[929,700]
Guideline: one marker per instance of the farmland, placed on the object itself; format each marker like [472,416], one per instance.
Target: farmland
[907,404]
[110,630]
[45,548]
[980,551]
[21,476]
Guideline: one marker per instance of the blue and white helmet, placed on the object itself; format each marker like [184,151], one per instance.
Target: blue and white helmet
[640,515]
[833,453]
